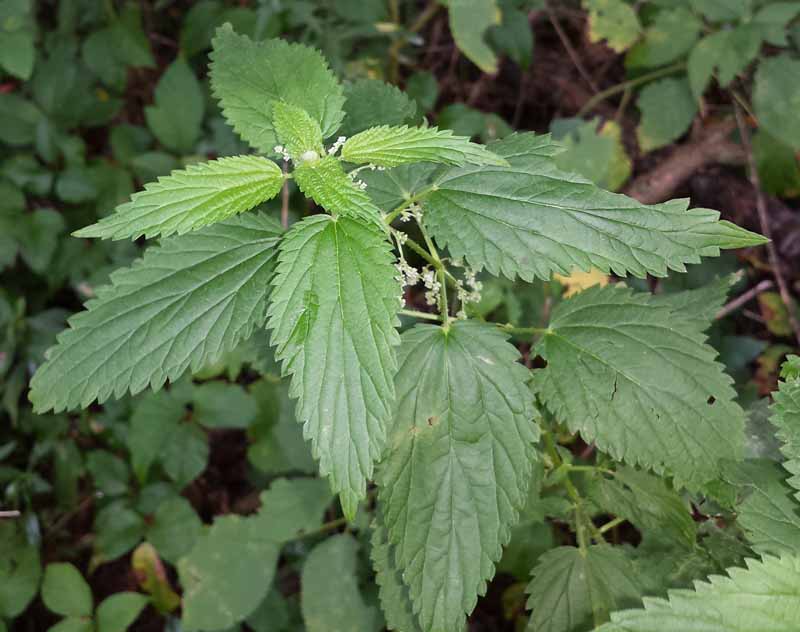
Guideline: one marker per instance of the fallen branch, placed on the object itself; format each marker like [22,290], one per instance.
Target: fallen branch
[745,298]
[712,146]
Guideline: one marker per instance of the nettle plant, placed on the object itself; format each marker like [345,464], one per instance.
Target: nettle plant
[453,429]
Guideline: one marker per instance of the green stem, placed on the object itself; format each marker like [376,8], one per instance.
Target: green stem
[534,331]
[611,524]
[395,212]
[416,314]
[627,85]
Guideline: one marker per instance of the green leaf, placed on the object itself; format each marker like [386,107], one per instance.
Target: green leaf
[155,320]
[20,571]
[292,507]
[223,405]
[635,376]
[649,503]
[469,21]
[326,182]
[18,120]
[571,588]
[17,38]
[459,464]
[174,529]
[778,165]
[371,102]
[64,591]
[531,219]
[118,529]
[189,199]
[184,454]
[394,595]
[786,418]
[297,130]
[335,290]
[335,606]
[110,473]
[614,21]
[773,20]
[514,36]
[227,573]
[119,611]
[73,624]
[671,35]
[660,126]
[423,87]
[726,52]
[596,154]
[247,77]
[765,509]
[393,146]
[700,305]
[776,98]
[154,416]
[177,114]
[764,596]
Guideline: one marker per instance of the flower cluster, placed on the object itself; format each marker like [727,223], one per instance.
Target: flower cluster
[412,210]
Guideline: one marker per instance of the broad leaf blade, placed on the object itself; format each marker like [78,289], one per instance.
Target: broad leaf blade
[764,596]
[571,588]
[194,197]
[394,146]
[333,316]
[531,220]
[458,466]
[296,129]
[635,376]
[181,306]
[247,77]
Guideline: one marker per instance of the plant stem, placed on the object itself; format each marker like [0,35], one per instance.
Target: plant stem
[9,514]
[394,50]
[611,524]
[392,215]
[417,314]
[534,331]
[627,85]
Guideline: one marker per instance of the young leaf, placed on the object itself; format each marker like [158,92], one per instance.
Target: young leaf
[614,21]
[248,77]
[767,513]
[333,320]
[469,20]
[573,587]
[660,126]
[335,606]
[764,596]
[635,376]
[531,219]
[119,611]
[189,199]
[459,464]
[181,306]
[326,182]
[65,591]
[177,115]
[786,418]
[393,146]
[227,573]
[299,133]
[648,502]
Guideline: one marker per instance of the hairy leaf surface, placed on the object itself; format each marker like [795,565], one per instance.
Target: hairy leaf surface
[635,376]
[764,596]
[570,588]
[181,306]
[531,220]
[326,182]
[393,146]
[333,316]
[458,466]
[786,417]
[248,77]
[194,197]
